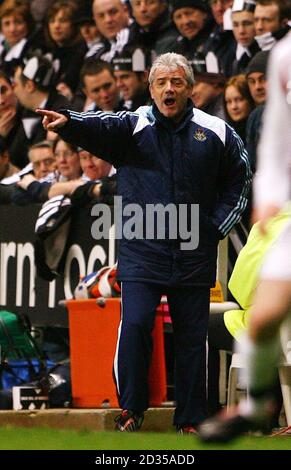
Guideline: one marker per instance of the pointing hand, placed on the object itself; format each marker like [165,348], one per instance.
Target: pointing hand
[51,119]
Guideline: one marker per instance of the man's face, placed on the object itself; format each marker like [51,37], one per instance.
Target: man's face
[258,87]
[203,93]
[93,167]
[266,19]
[170,92]
[43,161]
[87,165]
[218,8]
[110,16]
[189,21]
[13,28]
[147,11]
[102,89]
[20,89]
[243,27]
[129,83]
[7,97]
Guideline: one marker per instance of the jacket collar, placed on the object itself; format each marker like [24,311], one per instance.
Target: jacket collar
[169,123]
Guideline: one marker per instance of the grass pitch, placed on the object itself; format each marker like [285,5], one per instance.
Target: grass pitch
[51,439]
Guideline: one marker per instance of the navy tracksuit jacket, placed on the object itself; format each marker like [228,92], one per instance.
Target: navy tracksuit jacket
[200,160]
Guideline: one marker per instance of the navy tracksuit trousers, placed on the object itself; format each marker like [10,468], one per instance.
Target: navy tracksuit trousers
[189,310]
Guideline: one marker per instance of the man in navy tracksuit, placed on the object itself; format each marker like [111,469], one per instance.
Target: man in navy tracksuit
[168,154]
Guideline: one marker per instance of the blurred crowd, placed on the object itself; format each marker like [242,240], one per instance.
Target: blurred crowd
[96,54]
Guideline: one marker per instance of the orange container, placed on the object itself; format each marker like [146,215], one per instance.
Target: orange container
[93,336]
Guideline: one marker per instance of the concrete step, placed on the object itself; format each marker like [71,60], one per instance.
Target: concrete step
[156,419]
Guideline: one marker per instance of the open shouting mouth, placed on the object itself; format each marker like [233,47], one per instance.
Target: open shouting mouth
[170,102]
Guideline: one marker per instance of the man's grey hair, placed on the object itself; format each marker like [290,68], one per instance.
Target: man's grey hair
[172,61]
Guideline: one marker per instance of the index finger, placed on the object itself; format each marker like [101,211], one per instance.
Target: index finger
[45,112]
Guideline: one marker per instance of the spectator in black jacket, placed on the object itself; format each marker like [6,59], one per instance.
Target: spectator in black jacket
[6,168]
[153,28]
[38,186]
[112,19]
[238,104]
[9,118]
[131,74]
[271,22]
[67,46]
[31,186]
[257,82]
[97,183]
[33,88]
[221,42]
[87,26]
[243,24]
[19,34]
[99,86]
[207,93]
[194,21]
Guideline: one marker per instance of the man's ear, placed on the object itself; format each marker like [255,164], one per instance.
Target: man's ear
[30,86]
[151,91]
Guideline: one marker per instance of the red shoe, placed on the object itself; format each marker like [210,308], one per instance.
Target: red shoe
[186,430]
[128,421]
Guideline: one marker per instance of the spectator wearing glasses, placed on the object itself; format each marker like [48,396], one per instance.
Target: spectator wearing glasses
[98,182]
[52,164]
[42,159]
[32,186]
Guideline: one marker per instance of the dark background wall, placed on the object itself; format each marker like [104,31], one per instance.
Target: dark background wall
[20,288]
